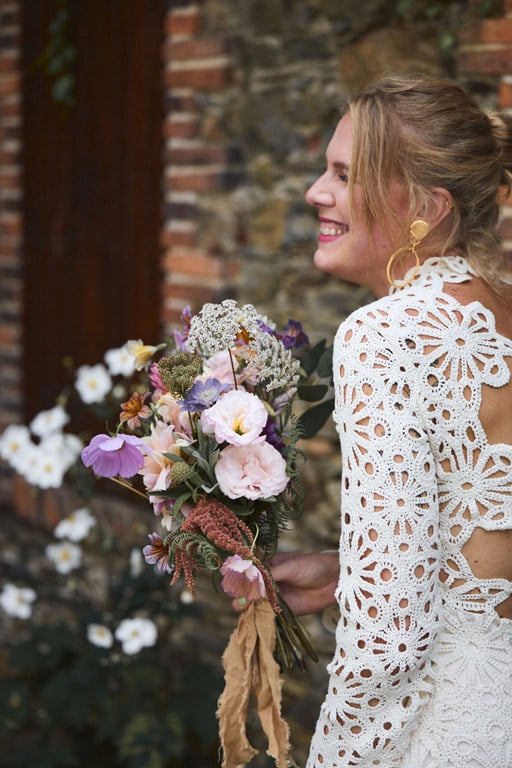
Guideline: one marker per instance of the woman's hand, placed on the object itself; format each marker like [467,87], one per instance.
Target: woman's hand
[306,581]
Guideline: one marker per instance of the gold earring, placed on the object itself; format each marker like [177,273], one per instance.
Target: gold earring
[418,230]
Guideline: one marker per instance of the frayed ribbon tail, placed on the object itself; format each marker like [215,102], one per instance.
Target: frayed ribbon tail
[249,665]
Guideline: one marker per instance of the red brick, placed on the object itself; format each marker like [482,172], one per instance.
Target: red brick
[193,294]
[9,335]
[505,94]
[205,155]
[193,182]
[183,23]
[194,49]
[170,238]
[10,83]
[489,62]
[505,228]
[201,77]
[180,129]
[487,31]
[196,264]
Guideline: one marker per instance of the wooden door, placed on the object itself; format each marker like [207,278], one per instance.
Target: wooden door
[92,181]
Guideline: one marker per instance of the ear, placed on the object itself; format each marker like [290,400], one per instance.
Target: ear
[438,207]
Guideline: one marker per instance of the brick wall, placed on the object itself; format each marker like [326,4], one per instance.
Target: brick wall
[11,302]
[200,240]
[485,51]
[196,161]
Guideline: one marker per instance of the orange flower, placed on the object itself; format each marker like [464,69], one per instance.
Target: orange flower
[134,410]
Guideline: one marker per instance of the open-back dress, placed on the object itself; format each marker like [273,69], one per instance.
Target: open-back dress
[422,672]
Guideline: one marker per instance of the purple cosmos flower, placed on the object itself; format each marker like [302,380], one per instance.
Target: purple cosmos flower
[110,456]
[157,553]
[202,395]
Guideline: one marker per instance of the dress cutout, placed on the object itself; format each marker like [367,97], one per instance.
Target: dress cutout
[422,672]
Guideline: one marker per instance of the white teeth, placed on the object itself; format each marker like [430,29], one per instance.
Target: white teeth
[332,231]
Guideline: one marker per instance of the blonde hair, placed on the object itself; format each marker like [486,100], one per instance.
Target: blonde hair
[425,132]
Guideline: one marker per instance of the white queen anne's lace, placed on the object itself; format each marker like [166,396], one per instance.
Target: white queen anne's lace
[422,674]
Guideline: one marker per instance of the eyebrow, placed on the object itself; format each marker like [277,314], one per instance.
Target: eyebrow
[339,166]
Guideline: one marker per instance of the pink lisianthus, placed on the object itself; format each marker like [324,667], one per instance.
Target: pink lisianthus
[169,410]
[110,456]
[242,578]
[238,418]
[220,366]
[156,472]
[256,471]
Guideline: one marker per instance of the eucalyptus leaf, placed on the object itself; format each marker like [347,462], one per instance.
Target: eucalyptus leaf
[312,420]
[312,393]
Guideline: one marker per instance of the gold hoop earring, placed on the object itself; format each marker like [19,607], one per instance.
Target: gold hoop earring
[418,230]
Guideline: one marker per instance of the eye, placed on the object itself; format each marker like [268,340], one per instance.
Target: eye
[343,177]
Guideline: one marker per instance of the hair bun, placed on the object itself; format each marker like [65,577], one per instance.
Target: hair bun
[501,126]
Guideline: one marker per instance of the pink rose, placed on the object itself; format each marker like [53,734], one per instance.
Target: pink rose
[255,471]
[242,578]
[237,417]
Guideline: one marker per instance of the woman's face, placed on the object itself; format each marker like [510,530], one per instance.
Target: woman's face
[346,248]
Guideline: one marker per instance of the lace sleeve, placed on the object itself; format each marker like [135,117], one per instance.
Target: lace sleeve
[389,549]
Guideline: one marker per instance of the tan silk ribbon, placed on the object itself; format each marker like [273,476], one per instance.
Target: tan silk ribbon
[249,665]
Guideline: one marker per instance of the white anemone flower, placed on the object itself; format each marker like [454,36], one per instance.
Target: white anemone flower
[48,422]
[15,440]
[65,556]
[120,361]
[136,562]
[45,468]
[93,382]
[17,601]
[135,634]
[99,635]
[75,526]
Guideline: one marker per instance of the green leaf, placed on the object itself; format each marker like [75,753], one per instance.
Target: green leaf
[314,418]
[309,360]
[324,369]
[311,393]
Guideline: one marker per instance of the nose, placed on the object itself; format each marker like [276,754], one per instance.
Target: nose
[319,195]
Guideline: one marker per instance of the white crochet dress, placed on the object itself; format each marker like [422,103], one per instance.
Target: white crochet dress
[422,673]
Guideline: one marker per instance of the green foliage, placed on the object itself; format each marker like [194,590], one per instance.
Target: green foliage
[65,702]
[59,57]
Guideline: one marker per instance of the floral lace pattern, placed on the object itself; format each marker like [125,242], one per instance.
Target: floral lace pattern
[421,676]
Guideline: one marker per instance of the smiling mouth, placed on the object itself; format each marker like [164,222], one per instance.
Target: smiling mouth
[330,230]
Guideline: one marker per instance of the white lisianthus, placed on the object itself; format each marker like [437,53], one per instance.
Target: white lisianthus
[15,441]
[120,361]
[17,601]
[65,556]
[48,422]
[238,418]
[75,526]
[99,635]
[93,382]
[135,634]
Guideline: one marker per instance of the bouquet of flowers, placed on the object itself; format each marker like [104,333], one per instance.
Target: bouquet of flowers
[213,444]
